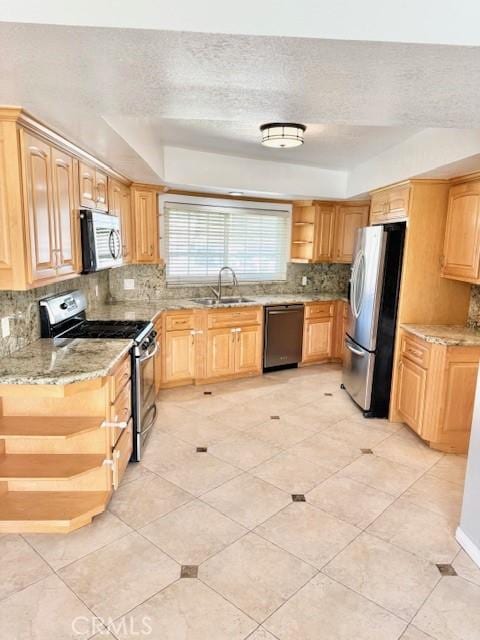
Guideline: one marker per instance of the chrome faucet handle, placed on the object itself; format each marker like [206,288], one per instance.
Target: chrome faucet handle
[215,292]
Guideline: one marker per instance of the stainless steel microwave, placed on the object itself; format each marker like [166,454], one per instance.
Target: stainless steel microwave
[101,240]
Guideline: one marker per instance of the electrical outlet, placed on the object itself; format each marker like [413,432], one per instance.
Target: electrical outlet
[5,327]
[128,283]
[304,281]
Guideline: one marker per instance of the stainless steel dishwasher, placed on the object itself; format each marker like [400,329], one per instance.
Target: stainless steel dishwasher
[282,346]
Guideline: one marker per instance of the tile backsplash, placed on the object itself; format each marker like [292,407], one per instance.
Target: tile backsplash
[474,310]
[150,282]
[21,307]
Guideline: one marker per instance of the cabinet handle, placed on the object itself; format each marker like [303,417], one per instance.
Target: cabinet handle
[151,249]
[116,425]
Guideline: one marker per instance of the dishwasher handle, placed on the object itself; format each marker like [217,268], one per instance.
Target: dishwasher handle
[281,312]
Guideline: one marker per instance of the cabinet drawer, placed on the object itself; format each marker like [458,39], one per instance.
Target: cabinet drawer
[178,322]
[320,310]
[121,377]
[234,318]
[121,454]
[121,408]
[415,350]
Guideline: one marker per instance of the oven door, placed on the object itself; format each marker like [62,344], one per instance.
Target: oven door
[145,407]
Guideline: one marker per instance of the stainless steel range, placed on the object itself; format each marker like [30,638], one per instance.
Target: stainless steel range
[64,317]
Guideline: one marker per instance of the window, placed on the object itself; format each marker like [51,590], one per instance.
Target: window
[200,239]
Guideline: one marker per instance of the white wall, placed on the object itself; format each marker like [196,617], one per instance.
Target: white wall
[420,154]
[216,171]
[468,533]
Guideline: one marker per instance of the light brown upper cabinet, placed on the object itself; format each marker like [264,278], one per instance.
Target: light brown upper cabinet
[323,249]
[349,218]
[119,201]
[66,220]
[145,225]
[390,204]
[325,231]
[44,181]
[50,221]
[461,252]
[93,187]
[37,164]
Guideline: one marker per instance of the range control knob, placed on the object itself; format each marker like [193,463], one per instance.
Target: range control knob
[64,305]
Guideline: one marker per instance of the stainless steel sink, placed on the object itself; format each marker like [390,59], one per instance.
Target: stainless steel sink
[214,302]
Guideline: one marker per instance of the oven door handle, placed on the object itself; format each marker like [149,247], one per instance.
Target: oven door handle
[153,409]
[149,354]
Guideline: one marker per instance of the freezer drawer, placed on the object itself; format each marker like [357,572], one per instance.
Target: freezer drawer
[357,377]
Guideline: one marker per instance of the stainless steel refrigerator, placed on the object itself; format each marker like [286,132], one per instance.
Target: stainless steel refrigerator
[373,299]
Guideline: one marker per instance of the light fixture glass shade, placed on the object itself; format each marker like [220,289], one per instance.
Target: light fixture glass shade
[282,135]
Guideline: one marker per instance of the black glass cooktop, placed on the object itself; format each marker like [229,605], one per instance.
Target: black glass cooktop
[108,329]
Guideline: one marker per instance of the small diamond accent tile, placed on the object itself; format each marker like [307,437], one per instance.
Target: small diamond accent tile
[369,451]
[189,571]
[274,417]
[446,570]
[201,449]
[298,497]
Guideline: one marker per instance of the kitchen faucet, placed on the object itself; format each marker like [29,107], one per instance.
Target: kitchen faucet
[218,291]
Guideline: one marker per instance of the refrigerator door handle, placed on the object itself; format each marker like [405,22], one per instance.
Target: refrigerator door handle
[357,352]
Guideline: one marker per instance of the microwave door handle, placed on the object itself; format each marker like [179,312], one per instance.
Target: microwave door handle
[119,244]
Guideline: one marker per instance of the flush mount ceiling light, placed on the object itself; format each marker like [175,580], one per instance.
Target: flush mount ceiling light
[282,135]
[235,193]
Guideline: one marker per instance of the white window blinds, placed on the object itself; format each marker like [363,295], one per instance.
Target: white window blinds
[201,239]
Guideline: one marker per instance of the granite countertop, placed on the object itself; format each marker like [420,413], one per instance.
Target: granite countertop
[138,310]
[449,335]
[62,362]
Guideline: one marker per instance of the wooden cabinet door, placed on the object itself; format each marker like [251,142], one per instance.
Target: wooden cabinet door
[461,259]
[324,233]
[318,339]
[40,212]
[145,226]
[126,224]
[398,200]
[64,208]
[86,176]
[457,397]
[378,207]
[221,347]
[348,220]
[179,356]
[411,388]
[248,352]
[114,197]
[101,190]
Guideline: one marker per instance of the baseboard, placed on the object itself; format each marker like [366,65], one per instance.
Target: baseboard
[470,548]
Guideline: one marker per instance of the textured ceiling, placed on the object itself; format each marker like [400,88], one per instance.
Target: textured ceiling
[211,92]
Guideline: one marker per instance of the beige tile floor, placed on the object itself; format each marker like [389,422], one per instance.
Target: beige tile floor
[356,560]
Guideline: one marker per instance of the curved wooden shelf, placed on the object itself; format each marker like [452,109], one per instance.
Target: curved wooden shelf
[12,427]
[49,511]
[44,466]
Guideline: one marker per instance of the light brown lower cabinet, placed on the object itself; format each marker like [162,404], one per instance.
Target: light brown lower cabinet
[435,391]
[323,331]
[210,345]
[64,450]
